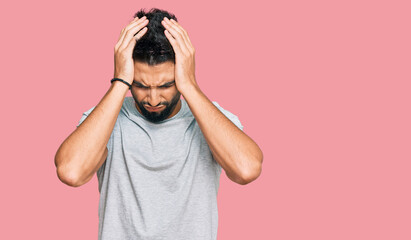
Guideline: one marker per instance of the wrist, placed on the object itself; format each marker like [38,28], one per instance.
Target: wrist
[189,89]
[119,85]
[125,78]
[121,80]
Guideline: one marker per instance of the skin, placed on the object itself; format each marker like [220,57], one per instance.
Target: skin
[85,150]
[154,86]
[237,153]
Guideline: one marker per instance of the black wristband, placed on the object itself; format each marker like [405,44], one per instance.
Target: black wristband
[121,80]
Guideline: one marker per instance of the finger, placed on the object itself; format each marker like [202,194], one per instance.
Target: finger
[186,39]
[121,37]
[177,35]
[121,34]
[173,42]
[131,25]
[136,38]
[135,22]
[180,30]
[129,34]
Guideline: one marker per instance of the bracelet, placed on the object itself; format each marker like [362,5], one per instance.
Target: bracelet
[121,80]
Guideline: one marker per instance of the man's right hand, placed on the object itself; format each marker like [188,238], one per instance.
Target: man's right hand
[123,61]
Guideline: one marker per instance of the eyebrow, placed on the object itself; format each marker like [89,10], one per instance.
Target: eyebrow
[164,85]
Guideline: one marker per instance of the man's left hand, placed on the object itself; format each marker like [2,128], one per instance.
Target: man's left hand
[184,55]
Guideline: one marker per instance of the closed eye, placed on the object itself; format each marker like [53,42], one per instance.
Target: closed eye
[138,85]
[144,87]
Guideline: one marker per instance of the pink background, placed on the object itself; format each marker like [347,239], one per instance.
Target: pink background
[323,87]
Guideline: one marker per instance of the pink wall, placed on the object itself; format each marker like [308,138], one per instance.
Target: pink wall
[322,86]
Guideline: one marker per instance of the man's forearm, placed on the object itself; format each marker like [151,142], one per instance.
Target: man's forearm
[237,153]
[79,154]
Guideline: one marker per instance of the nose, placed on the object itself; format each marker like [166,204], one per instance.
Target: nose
[154,98]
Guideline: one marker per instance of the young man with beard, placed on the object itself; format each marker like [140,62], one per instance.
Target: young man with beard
[158,157]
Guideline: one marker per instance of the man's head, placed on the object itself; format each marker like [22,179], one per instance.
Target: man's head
[154,60]
[154,87]
[153,47]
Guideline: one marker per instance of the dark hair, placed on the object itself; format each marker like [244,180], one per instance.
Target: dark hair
[153,47]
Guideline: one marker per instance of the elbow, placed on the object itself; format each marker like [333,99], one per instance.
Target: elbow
[254,170]
[251,176]
[73,178]
[66,174]
[61,170]
[68,178]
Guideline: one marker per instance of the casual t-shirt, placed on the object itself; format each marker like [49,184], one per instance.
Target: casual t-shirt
[160,180]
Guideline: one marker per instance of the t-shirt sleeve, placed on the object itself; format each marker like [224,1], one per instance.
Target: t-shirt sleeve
[85,115]
[230,116]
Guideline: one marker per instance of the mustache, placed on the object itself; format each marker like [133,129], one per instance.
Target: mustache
[158,105]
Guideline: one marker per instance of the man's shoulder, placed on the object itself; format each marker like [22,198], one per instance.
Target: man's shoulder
[125,108]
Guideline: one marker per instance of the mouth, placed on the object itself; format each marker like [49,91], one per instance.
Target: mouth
[151,109]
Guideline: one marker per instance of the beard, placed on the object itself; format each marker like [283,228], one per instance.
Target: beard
[156,117]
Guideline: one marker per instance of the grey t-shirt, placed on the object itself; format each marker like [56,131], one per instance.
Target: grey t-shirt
[160,180]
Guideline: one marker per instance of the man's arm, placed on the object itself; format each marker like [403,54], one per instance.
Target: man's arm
[85,150]
[237,153]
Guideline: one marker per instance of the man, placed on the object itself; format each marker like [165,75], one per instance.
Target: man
[158,157]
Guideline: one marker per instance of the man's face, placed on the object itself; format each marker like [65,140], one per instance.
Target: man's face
[154,87]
